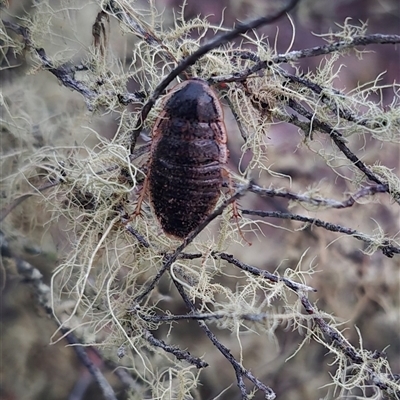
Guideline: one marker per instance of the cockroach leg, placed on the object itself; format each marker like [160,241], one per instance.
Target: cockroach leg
[235,210]
[138,209]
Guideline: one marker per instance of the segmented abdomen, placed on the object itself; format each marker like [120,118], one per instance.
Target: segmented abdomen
[187,156]
[184,182]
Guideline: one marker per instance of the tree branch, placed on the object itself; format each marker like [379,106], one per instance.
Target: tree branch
[338,140]
[318,201]
[178,353]
[306,53]
[388,249]
[64,73]
[240,371]
[364,359]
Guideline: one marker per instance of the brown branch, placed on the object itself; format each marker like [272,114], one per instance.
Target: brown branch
[142,240]
[178,353]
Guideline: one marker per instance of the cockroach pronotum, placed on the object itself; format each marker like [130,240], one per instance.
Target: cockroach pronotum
[187,158]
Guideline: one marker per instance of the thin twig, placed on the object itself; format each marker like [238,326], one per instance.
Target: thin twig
[310,52]
[324,97]
[338,140]
[137,27]
[65,73]
[204,317]
[178,353]
[62,73]
[318,201]
[141,239]
[190,256]
[363,40]
[388,249]
[385,383]
[265,274]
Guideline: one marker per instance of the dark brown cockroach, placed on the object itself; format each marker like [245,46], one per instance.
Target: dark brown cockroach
[187,157]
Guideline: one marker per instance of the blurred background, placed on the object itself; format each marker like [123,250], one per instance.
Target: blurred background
[360,290]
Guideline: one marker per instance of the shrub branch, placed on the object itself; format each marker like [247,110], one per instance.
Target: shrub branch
[178,353]
[388,249]
[317,201]
[306,53]
[240,371]
[365,359]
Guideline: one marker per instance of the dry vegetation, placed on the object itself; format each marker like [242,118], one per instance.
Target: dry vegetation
[309,311]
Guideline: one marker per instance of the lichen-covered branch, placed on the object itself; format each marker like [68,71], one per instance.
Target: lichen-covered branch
[178,353]
[240,371]
[387,246]
[371,362]
[318,201]
[116,268]
[296,55]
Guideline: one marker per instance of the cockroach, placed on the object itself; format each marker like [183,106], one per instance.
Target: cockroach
[187,157]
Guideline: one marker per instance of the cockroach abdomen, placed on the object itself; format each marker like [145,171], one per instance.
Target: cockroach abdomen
[187,157]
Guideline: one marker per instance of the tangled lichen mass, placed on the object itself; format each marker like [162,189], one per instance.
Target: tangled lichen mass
[78,110]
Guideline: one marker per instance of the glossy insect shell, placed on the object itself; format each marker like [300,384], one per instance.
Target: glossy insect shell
[188,154]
